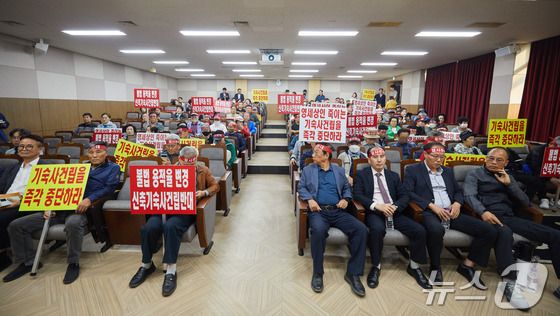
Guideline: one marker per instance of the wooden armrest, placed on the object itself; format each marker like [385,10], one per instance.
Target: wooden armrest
[360,210]
[226,175]
[201,204]
[535,214]
[302,224]
[416,211]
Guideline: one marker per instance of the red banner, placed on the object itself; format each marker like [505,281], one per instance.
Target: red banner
[222,106]
[163,189]
[551,163]
[357,124]
[203,105]
[290,103]
[108,135]
[146,98]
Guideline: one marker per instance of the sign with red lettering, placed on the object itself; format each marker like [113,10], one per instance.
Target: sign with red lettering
[55,187]
[451,136]
[156,139]
[360,107]
[222,106]
[163,189]
[290,103]
[203,105]
[551,163]
[507,132]
[146,98]
[323,122]
[357,124]
[108,135]
[127,149]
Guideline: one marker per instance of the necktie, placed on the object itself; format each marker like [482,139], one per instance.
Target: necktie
[384,193]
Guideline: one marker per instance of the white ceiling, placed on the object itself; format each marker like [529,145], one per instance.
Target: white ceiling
[275,23]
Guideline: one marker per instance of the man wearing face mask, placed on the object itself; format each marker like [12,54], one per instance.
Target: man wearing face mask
[194,125]
[206,133]
[463,125]
[403,143]
[350,155]
[232,131]
[218,138]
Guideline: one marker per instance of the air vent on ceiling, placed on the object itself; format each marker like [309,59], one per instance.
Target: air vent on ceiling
[486,24]
[384,24]
[12,23]
[241,23]
[131,23]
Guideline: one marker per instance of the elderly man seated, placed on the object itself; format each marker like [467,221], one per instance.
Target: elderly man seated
[104,176]
[170,153]
[173,229]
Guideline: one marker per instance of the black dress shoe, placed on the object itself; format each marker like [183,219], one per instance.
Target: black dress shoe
[557,293]
[5,261]
[317,283]
[169,284]
[438,277]
[72,273]
[469,274]
[420,278]
[141,276]
[355,284]
[373,277]
[19,271]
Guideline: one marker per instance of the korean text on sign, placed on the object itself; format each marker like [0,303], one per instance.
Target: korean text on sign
[128,149]
[163,189]
[551,163]
[108,135]
[323,122]
[451,136]
[260,95]
[360,107]
[156,139]
[146,98]
[368,94]
[290,103]
[222,106]
[193,142]
[55,187]
[462,157]
[507,132]
[203,105]
[357,124]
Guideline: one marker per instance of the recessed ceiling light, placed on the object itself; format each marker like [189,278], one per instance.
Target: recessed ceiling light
[350,77]
[300,76]
[94,32]
[203,75]
[404,53]
[308,64]
[251,75]
[304,70]
[142,51]
[378,64]
[446,34]
[209,33]
[189,69]
[327,33]
[246,70]
[361,71]
[228,51]
[171,62]
[316,52]
[239,62]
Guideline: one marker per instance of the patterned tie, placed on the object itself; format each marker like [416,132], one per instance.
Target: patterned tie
[384,193]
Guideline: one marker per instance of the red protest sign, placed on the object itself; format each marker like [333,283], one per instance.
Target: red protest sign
[551,163]
[290,103]
[357,124]
[146,98]
[163,189]
[323,122]
[203,105]
[222,106]
[108,135]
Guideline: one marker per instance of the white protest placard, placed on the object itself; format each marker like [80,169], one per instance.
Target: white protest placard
[323,122]
[156,139]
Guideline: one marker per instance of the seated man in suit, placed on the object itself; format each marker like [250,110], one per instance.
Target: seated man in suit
[173,229]
[434,188]
[383,195]
[13,182]
[104,176]
[493,194]
[325,187]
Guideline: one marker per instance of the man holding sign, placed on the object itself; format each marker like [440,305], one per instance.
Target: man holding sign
[102,181]
[173,228]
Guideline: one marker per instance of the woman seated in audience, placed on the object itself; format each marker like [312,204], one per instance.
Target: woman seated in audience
[463,125]
[440,123]
[129,133]
[393,128]
[467,144]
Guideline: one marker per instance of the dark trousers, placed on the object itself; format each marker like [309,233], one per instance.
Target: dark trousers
[483,233]
[406,225]
[320,222]
[6,217]
[536,232]
[173,230]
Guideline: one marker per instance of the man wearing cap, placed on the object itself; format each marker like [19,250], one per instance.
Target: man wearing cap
[326,190]
[420,127]
[104,177]
[350,155]
[155,125]
[403,143]
[183,131]
[173,229]
[194,125]
[218,138]
[385,198]
[218,125]
[371,138]
[232,131]
[467,146]
[434,189]
[170,153]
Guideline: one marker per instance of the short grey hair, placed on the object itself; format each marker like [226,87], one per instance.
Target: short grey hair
[173,137]
[189,152]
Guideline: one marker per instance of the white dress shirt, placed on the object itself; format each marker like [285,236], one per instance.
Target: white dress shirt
[22,177]
[377,197]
